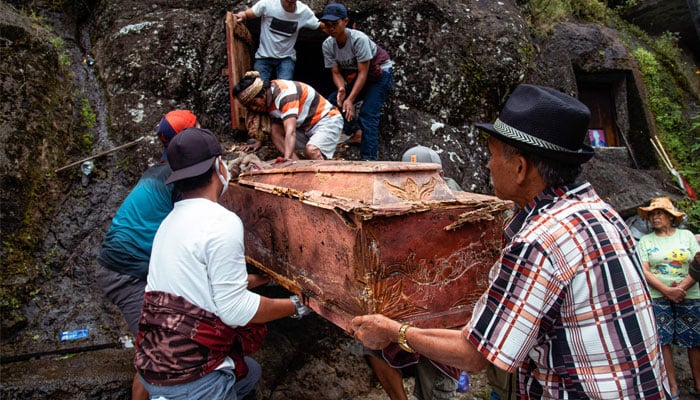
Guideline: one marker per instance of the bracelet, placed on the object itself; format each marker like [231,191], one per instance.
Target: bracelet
[297,305]
[403,343]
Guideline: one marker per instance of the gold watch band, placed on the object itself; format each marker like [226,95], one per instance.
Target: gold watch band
[403,343]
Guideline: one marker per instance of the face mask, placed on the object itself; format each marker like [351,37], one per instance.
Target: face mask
[223,180]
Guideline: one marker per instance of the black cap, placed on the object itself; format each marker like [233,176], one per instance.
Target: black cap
[191,153]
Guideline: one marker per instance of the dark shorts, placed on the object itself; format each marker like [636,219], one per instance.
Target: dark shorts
[125,291]
[678,323]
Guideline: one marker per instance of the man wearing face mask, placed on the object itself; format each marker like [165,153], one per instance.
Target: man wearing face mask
[197,294]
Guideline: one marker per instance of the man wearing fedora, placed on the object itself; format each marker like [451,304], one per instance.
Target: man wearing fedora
[567,308]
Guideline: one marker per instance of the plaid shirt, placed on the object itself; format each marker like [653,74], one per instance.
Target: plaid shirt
[568,306]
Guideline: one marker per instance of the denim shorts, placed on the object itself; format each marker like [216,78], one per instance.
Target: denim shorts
[678,323]
[218,384]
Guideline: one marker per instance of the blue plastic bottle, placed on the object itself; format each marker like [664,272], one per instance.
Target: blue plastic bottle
[463,384]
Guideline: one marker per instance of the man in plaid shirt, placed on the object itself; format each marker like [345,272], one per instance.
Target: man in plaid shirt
[568,308]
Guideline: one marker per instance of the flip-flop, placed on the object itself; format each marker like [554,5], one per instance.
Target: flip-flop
[350,142]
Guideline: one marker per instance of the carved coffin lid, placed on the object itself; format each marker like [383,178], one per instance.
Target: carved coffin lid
[369,188]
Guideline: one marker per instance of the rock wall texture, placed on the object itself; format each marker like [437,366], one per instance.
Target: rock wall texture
[456,63]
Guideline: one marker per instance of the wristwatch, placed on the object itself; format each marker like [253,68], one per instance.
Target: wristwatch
[299,307]
[403,343]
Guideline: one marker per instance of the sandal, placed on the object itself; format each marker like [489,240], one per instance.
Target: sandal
[355,139]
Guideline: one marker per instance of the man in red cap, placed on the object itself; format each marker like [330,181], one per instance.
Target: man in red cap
[122,265]
[567,308]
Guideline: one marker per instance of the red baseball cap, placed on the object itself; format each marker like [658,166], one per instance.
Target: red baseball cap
[172,124]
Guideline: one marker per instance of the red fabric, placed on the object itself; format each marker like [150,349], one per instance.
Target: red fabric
[246,341]
[179,342]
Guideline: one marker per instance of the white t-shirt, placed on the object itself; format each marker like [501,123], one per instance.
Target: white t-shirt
[198,254]
[279,29]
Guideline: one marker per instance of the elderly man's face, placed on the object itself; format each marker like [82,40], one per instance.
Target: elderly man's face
[503,169]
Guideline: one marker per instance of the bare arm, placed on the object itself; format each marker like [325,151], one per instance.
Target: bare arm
[272,309]
[339,83]
[290,137]
[674,294]
[255,280]
[447,346]
[360,80]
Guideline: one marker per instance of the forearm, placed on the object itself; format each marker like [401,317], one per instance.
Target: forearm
[443,345]
[357,86]
[652,280]
[338,79]
[447,346]
[290,137]
[273,309]
[360,80]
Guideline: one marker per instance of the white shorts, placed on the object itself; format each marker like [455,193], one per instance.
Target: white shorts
[325,135]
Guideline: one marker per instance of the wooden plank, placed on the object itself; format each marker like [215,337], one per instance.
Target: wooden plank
[238,49]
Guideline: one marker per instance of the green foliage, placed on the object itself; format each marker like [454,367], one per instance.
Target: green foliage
[19,269]
[677,127]
[88,119]
[63,55]
[692,210]
[544,14]
[622,6]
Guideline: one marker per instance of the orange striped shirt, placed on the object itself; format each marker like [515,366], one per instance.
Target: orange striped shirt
[297,99]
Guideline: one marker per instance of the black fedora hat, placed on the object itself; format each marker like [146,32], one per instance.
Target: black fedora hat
[544,121]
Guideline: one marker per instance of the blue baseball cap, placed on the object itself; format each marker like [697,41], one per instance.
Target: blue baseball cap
[334,12]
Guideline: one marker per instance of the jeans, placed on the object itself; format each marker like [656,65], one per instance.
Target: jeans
[373,96]
[280,68]
[219,384]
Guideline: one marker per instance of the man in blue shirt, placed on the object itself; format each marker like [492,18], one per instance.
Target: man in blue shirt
[122,265]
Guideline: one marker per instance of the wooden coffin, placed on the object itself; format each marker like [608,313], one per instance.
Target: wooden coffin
[370,237]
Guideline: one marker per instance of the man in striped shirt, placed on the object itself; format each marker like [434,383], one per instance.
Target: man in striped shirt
[568,307]
[301,117]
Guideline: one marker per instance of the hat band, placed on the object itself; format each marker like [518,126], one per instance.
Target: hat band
[516,134]
[250,92]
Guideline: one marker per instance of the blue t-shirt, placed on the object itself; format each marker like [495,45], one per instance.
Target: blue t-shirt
[127,246]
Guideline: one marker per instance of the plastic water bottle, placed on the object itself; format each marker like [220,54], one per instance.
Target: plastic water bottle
[463,384]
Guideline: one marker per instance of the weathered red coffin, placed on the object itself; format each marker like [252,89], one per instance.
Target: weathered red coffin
[370,237]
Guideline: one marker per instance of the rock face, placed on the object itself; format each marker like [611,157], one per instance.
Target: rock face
[456,62]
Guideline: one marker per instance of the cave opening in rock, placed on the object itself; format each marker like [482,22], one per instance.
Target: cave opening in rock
[619,113]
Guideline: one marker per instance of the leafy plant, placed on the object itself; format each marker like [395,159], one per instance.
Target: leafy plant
[676,127]
[544,14]
[88,119]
